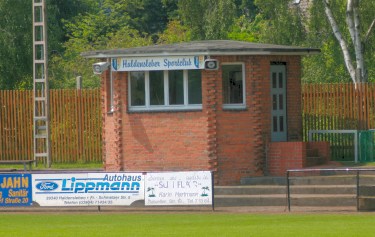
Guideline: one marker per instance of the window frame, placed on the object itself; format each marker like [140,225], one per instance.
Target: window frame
[166,106]
[235,105]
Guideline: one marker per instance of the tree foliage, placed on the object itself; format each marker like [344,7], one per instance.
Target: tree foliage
[16,36]
[278,23]
[15,43]
[75,26]
[208,19]
[330,65]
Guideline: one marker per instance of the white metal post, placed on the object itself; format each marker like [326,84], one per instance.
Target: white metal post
[42,143]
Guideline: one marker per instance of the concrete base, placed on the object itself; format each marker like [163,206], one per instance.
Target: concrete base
[366,204]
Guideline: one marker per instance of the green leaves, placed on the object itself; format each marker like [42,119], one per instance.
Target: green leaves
[208,19]
[75,26]
[15,42]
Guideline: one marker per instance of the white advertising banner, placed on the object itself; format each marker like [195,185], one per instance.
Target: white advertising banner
[178,188]
[158,63]
[87,189]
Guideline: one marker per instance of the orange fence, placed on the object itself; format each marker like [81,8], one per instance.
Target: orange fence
[75,125]
[76,118]
[338,106]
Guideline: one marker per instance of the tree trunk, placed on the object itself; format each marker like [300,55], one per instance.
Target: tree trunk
[342,42]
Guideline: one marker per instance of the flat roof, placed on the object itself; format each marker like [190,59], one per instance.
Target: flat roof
[206,48]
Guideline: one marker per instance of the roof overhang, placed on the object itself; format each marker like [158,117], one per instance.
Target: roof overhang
[203,48]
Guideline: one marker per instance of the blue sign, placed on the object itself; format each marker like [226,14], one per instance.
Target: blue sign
[15,190]
[158,63]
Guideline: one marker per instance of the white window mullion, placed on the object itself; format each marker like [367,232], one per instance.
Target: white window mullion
[129,91]
[147,89]
[166,88]
[243,84]
[186,95]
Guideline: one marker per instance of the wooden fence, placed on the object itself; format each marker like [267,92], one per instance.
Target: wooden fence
[340,107]
[76,119]
[75,125]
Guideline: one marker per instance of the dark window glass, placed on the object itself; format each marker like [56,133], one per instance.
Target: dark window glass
[275,123]
[274,80]
[281,102]
[137,82]
[274,102]
[156,87]
[194,87]
[232,84]
[281,80]
[176,87]
[281,119]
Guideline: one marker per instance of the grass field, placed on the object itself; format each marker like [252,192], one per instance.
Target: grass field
[186,224]
[58,166]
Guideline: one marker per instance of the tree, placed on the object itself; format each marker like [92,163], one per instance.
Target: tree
[207,19]
[106,28]
[357,70]
[330,65]
[279,23]
[174,33]
[16,49]
[15,43]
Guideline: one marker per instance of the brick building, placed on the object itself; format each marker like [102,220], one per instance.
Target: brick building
[226,106]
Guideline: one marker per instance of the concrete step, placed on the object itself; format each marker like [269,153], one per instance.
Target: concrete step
[323,189]
[333,180]
[323,178]
[314,161]
[281,200]
[367,190]
[326,189]
[250,190]
[264,181]
[280,189]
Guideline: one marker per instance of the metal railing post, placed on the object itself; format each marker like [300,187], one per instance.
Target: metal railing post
[288,189]
[357,179]
[213,190]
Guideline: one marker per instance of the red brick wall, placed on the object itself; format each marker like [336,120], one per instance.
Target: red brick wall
[154,141]
[323,149]
[243,135]
[285,155]
[282,156]
[230,142]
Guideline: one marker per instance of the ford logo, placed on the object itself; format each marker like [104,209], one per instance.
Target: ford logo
[47,186]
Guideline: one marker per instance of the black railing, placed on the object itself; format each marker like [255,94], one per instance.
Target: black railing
[354,171]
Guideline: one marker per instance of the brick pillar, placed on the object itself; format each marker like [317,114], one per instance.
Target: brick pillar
[117,114]
[257,68]
[104,85]
[210,106]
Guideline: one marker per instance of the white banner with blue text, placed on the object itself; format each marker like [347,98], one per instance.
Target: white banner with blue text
[178,188]
[87,189]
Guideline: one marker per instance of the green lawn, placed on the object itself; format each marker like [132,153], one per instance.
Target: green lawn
[78,165]
[184,224]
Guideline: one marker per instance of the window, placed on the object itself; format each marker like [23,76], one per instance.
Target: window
[176,87]
[195,87]
[156,88]
[165,90]
[233,85]
[138,88]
